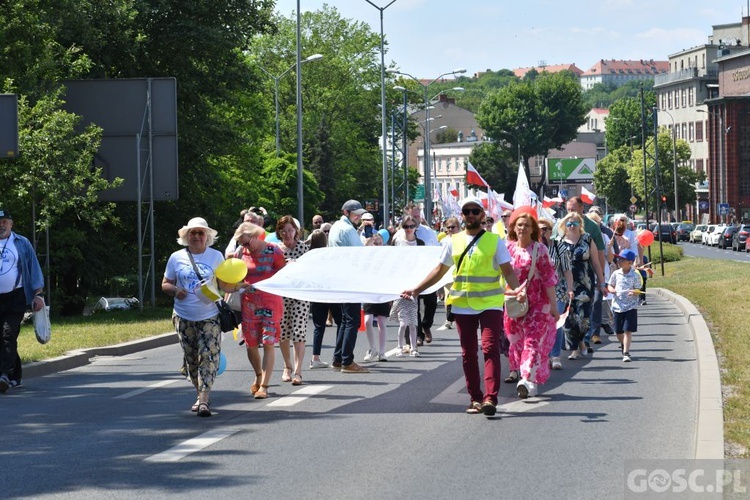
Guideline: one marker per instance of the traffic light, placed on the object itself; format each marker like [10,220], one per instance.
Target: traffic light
[663,199]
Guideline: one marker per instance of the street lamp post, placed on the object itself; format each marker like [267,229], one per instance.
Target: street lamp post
[383,116]
[427,172]
[674,159]
[276,80]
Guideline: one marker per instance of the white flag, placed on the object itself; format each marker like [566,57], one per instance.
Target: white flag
[522,194]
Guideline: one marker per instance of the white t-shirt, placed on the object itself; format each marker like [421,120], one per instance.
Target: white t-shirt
[180,270]
[502,256]
[422,232]
[9,265]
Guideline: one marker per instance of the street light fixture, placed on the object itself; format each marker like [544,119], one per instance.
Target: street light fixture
[427,172]
[383,117]
[276,79]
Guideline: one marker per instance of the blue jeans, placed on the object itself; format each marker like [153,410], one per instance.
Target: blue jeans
[559,335]
[319,317]
[346,334]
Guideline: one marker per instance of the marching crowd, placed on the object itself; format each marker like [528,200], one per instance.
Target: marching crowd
[532,287]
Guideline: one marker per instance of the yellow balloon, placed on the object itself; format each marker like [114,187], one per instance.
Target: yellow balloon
[231,271]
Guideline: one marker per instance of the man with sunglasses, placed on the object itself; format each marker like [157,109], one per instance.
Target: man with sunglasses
[476,298]
[425,310]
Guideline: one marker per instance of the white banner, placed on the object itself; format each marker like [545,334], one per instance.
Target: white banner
[355,274]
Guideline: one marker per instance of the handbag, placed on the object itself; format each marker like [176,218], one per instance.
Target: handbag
[42,327]
[449,314]
[234,299]
[514,308]
[227,319]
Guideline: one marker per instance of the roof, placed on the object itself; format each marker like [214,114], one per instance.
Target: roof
[555,68]
[620,67]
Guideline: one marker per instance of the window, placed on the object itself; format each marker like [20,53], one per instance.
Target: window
[691,96]
[691,132]
[699,165]
[684,130]
[699,131]
[669,99]
[683,99]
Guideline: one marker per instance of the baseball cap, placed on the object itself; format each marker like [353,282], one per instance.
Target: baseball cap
[627,255]
[367,216]
[469,200]
[354,207]
[4,214]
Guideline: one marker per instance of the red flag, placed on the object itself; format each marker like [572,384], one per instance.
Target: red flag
[473,177]
[587,196]
[548,202]
[454,192]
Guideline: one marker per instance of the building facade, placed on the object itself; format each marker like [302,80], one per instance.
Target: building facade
[617,72]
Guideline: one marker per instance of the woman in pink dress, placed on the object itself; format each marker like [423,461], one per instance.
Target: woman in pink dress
[261,311]
[531,336]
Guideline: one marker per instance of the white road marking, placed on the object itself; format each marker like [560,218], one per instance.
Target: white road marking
[455,395]
[299,396]
[190,446]
[138,392]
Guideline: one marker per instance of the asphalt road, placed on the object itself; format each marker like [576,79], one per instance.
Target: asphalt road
[705,251]
[121,426]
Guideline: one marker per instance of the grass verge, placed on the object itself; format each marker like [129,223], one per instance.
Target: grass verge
[719,288]
[97,330]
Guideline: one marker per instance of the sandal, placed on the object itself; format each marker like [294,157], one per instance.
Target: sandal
[197,404]
[254,388]
[474,408]
[297,380]
[512,377]
[262,393]
[204,410]
[287,375]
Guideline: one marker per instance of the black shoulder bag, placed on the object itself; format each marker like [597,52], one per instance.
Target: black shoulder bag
[227,319]
[449,314]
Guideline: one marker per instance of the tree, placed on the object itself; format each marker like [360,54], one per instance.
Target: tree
[686,176]
[497,165]
[624,120]
[341,95]
[612,176]
[534,115]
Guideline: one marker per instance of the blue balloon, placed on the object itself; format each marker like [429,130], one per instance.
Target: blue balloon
[222,364]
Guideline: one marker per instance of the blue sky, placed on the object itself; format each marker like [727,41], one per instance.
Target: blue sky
[430,37]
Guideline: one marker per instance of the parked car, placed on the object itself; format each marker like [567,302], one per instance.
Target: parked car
[665,233]
[725,240]
[740,238]
[696,234]
[683,231]
[713,239]
[709,229]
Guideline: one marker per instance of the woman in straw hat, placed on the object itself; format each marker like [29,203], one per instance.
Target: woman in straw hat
[195,316]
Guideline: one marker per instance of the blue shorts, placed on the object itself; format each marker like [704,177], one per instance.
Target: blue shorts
[626,321]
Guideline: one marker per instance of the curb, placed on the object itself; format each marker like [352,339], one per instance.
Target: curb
[709,442]
[75,359]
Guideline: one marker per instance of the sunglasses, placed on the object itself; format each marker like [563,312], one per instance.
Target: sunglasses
[451,227]
[545,229]
[474,211]
[505,216]
[408,227]
[574,223]
[197,233]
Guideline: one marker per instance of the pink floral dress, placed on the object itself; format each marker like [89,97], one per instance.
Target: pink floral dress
[532,336]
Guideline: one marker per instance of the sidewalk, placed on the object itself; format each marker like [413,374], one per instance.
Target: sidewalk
[710,417]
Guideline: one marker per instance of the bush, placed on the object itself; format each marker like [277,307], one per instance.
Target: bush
[672,253]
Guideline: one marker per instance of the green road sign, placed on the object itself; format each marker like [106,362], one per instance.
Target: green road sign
[571,170]
[419,195]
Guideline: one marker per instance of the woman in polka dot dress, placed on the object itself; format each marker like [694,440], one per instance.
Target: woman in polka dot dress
[296,312]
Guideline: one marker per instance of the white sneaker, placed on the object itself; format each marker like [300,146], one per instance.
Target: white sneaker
[522,389]
[318,364]
[414,353]
[448,325]
[532,387]
[371,355]
[382,357]
[626,357]
[556,365]
[400,353]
